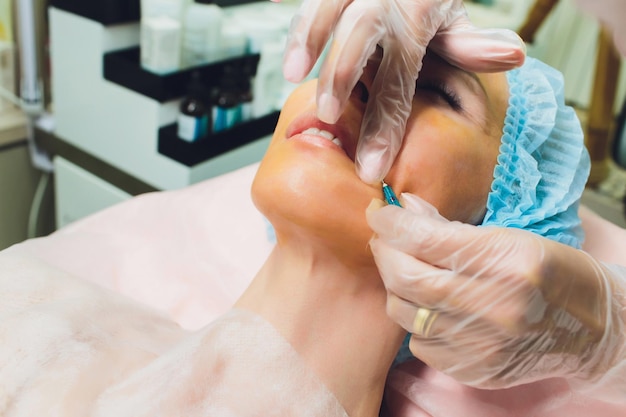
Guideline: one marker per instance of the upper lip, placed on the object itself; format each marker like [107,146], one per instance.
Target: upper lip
[347,129]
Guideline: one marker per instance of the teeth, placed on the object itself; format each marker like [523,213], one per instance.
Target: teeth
[325,134]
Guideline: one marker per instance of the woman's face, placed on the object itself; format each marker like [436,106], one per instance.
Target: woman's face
[307,185]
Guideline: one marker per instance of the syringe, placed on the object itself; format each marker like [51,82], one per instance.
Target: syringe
[390,196]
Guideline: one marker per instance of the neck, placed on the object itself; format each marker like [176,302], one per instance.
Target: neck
[333,314]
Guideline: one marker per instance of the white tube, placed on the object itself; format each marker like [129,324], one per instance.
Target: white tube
[31,86]
[32,101]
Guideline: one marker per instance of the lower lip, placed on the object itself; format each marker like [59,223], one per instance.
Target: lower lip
[318,142]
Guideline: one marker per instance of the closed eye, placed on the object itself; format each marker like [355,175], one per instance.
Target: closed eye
[442,90]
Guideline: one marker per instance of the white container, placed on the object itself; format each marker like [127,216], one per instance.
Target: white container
[268,83]
[161,35]
[202,33]
[160,44]
[234,40]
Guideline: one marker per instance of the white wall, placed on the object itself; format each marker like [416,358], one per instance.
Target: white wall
[566,41]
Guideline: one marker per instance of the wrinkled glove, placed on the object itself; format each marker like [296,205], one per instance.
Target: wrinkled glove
[495,307]
[403,28]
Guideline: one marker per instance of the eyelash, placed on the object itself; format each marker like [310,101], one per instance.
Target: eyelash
[445,92]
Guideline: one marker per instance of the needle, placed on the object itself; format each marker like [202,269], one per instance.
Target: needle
[390,196]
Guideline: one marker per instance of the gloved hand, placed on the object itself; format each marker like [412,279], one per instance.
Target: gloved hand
[495,307]
[403,28]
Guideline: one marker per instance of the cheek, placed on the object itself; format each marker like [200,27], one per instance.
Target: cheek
[305,203]
[451,168]
[308,195]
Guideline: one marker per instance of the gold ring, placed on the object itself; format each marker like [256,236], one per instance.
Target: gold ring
[423,322]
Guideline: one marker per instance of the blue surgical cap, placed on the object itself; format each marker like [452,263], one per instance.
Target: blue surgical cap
[543,164]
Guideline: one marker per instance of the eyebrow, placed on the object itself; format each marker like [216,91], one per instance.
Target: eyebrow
[471,81]
[474,77]
[476,82]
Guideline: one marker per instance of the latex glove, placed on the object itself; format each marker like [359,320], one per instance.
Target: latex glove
[612,13]
[512,307]
[403,28]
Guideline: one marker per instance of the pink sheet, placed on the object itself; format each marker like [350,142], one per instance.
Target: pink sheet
[415,390]
[73,349]
[190,253]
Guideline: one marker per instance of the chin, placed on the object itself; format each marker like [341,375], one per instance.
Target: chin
[306,201]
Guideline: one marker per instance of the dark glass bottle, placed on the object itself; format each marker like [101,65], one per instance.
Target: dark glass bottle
[227,103]
[245,92]
[194,115]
